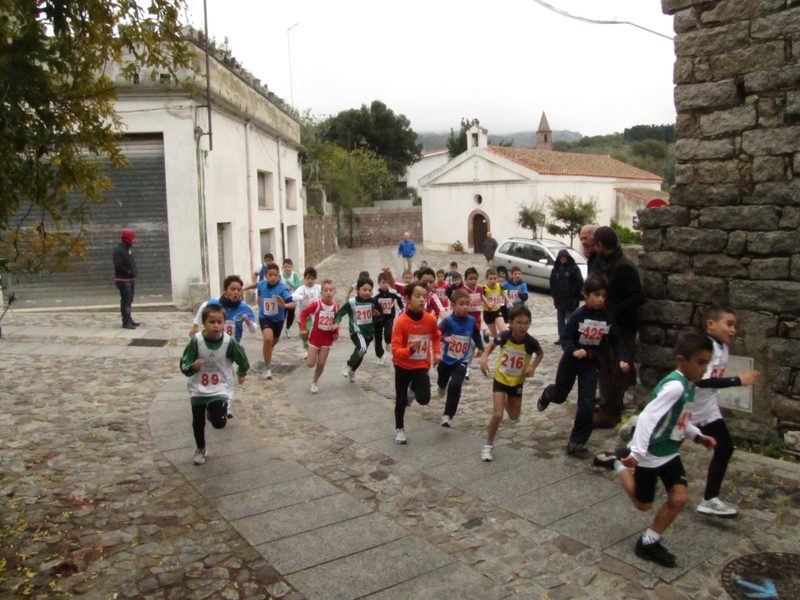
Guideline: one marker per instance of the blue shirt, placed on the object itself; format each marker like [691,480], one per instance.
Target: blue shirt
[268,308]
[515,291]
[233,315]
[407,249]
[463,330]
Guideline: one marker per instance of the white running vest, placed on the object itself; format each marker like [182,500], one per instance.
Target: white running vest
[215,377]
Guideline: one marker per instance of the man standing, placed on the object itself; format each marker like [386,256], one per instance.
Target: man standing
[623,300]
[587,240]
[489,247]
[406,250]
[124,277]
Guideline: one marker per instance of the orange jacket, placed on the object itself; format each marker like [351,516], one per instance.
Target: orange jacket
[407,329]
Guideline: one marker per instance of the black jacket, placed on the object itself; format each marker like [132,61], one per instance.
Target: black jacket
[489,248]
[625,294]
[584,332]
[124,263]
[566,283]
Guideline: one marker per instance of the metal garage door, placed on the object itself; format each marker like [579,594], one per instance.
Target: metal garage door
[138,203]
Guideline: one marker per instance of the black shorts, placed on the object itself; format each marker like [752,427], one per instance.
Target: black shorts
[490,316]
[276,326]
[645,479]
[513,391]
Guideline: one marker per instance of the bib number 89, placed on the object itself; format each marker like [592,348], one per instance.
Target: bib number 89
[213,379]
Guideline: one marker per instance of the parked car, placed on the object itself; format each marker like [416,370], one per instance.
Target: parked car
[535,258]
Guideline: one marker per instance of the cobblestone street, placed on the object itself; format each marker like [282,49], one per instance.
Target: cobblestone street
[98,498]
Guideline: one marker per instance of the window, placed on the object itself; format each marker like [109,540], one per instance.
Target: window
[538,254]
[477,199]
[291,194]
[506,249]
[265,192]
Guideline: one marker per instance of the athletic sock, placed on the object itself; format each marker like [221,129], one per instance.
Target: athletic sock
[650,537]
[618,466]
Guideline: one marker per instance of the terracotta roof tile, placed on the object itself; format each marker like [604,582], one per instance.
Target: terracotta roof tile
[644,194]
[548,162]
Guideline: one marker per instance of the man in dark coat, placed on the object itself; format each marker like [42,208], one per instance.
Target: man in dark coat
[586,237]
[566,285]
[125,276]
[489,247]
[624,297]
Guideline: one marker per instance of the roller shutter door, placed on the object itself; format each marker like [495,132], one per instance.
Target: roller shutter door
[138,203]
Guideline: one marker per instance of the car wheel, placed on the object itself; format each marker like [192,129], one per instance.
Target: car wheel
[502,272]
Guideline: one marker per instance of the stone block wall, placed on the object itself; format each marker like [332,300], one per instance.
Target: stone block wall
[375,227]
[320,238]
[730,234]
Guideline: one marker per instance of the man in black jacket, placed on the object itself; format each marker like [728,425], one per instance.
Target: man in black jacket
[125,276]
[624,298]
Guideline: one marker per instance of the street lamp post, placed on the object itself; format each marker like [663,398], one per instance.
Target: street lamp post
[289,44]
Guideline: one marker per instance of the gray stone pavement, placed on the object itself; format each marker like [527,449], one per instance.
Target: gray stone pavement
[309,496]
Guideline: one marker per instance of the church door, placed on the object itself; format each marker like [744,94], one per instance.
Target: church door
[479,230]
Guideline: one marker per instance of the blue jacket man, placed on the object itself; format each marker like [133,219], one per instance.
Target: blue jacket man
[406,250]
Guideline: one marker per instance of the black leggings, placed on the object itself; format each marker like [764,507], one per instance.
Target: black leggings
[421,382]
[289,318]
[722,455]
[452,377]
[217,414]
[383,333]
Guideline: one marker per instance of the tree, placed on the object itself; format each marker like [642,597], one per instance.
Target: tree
[573,213]
[57,115]
[457,144]
[380,130]
[625,234]
[532,217]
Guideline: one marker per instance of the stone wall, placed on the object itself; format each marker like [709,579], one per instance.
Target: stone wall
[730,234]
[319,238]
[375,227]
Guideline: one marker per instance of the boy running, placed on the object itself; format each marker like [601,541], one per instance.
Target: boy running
[208,363]
[493,300]
[362,309]
[304,295]
[387,297]
[292,281]
[273,298]
[414,336]
[514,365]
[318,316]
[455,284]
[516,290]
[440,289]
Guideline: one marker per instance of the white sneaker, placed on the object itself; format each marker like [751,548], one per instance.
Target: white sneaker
[287,335]
[381,362]
[314,388]
[352,375]
[486,453]
[442,392]
[200,456]
[345,371]
[446,421]
[717,508]
[266,375]
[400,436]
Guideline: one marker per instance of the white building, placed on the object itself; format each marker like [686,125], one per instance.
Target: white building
[483,188]
[199,212]
[429,161]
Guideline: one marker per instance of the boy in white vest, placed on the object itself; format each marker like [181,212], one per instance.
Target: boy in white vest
[208,363]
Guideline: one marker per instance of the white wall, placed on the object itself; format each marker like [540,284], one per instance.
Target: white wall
[425,165]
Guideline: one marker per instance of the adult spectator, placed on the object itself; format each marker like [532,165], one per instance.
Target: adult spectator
[566,283]
[406,250]
[623,299]
[125,276]
[489,247]
[586,237]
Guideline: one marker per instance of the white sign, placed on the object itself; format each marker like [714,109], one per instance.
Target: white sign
[739,397]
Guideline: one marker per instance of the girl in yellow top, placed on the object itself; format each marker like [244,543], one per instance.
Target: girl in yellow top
[515,363]
[494,298]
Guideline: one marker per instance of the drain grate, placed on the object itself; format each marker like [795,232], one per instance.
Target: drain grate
[284,369]
[149,343]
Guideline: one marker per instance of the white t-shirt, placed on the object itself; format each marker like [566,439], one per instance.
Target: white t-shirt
[705,407]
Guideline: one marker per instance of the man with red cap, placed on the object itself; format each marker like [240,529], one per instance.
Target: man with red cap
[124,277]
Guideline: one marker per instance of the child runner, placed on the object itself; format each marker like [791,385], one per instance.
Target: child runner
[590,329]
[261,273]
[433,305]
[453,270]
[456,284]
[208,363]
[475,292]
[304,295]
[273,298]
[237,315]
[292,281]
[720,325]
[400,286]
[457,332]
[516,290]
[501,280]
[354,288]
[493,299]
[654,452]
[414,336]
[318,316]
[387,297]
[514,364]
[362,309]
[440,289]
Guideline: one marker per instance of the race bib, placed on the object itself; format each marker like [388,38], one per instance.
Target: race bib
[459,348]
[441,293]
[325,321]
[363,315]
[513,295]
[270,306]
[386,305]
[475,299]
[229,327]
[679,431]
[422,353]
[717,373]
[592,332]
[494,300]
[209,382]
[513,361]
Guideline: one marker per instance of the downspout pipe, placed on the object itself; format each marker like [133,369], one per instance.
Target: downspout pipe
[252,230]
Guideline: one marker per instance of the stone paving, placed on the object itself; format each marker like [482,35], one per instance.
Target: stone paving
[308,496]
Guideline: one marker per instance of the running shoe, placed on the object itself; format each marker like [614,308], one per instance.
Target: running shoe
[543,402]
[352,375]
[266,375]
[345,371]
[486,453]
[605,460]
[314,388]
[442,392]
[626,431]
[717,508]
[381,362]
[200,456]
[655,553]
[400,436]
[578,450]
[485,336]
[446,421]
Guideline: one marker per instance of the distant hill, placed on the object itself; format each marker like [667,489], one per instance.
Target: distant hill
[522,139]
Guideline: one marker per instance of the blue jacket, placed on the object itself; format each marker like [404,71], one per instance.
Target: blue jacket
[407,249]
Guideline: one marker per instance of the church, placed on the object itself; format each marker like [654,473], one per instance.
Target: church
[483,188]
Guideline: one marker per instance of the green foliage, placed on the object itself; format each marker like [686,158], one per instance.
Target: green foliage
[625,235]
[773,450]
[378,129]
[57,114]
[457,144]
[651,148]
[573,213]
[531,217]
[663,133]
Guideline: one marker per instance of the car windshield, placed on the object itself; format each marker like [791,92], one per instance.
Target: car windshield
[579,258]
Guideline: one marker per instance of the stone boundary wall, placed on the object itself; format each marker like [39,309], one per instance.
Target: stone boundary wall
[320,238]
[730,234]
[376,227]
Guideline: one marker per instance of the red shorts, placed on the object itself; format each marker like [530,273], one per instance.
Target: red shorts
[320,338]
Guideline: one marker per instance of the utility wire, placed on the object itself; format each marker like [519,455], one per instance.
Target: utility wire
[597,21]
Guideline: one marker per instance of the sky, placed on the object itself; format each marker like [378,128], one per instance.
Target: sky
[436,61]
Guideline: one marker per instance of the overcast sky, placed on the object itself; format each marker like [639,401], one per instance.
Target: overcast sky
[435,61]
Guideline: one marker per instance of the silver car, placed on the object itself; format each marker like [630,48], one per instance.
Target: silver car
[535,258]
